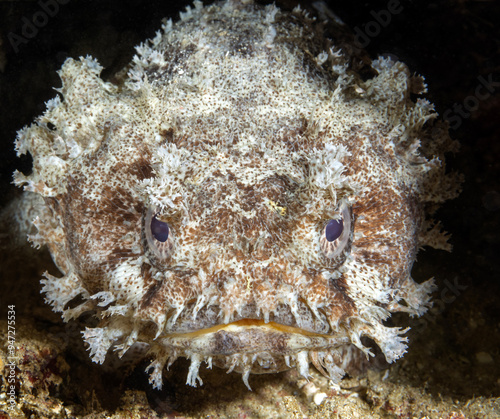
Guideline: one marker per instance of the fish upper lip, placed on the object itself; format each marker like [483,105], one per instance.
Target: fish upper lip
[210,317]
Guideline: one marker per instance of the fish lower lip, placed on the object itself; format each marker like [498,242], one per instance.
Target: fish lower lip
[245,324]
[250,336]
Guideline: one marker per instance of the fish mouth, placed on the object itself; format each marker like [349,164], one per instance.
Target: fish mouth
[251,344]
[251,337]
[301,318]
[246,324]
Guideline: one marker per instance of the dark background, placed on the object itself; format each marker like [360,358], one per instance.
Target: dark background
[451,42]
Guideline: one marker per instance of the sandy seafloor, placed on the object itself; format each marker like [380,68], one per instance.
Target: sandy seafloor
[452,366]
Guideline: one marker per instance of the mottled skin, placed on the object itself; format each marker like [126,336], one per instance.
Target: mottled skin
[246,131]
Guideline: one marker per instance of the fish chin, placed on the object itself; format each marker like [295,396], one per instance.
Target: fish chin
[254,346]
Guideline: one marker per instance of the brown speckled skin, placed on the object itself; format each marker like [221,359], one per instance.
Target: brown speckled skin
[246,131]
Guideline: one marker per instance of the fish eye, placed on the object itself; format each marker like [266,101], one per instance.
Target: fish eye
[159,229]
[158,236]
[336,233]
[334,229]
